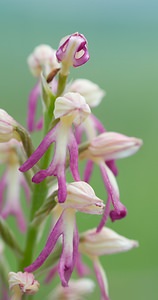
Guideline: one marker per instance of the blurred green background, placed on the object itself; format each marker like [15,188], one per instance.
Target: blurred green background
[123,45]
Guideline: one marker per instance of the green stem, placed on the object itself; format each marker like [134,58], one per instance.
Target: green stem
[61,84]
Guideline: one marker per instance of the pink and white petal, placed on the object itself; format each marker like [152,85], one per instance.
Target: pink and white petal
[81,268]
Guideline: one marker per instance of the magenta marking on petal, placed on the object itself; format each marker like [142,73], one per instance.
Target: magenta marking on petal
[39,152]
[88,171]
[50,244]
[105,215]
[73,151]
[32,107]
[112,166]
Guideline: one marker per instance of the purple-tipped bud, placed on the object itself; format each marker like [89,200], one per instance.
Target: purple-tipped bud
[72,51]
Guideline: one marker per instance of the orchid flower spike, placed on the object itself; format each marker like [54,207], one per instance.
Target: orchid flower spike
[22,283]
[70,109]
[95,244]
[72,51]
[80,197]
[106,147]
[11,182]
[77,290]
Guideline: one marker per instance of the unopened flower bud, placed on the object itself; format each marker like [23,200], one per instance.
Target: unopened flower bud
[104,242]
[44,59]
[92,93]
[72,51]
[112,145]
[22,283]
[72,105]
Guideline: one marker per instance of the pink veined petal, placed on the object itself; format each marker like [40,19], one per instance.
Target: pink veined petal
[88,170]
[51,274]
[100,275]
[73,151]
[62,189]
[39,152]
[105,215]
[119,211]
[50,244]
[32,107]
[68,258]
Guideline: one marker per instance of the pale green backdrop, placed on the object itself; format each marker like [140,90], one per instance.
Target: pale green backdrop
[123,45]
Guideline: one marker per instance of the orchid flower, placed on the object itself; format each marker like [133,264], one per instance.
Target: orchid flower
[95,244]
[106,147]
[80,197]
[72,51]
[10,184]
[42,59]
[22,283]
[70,109]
